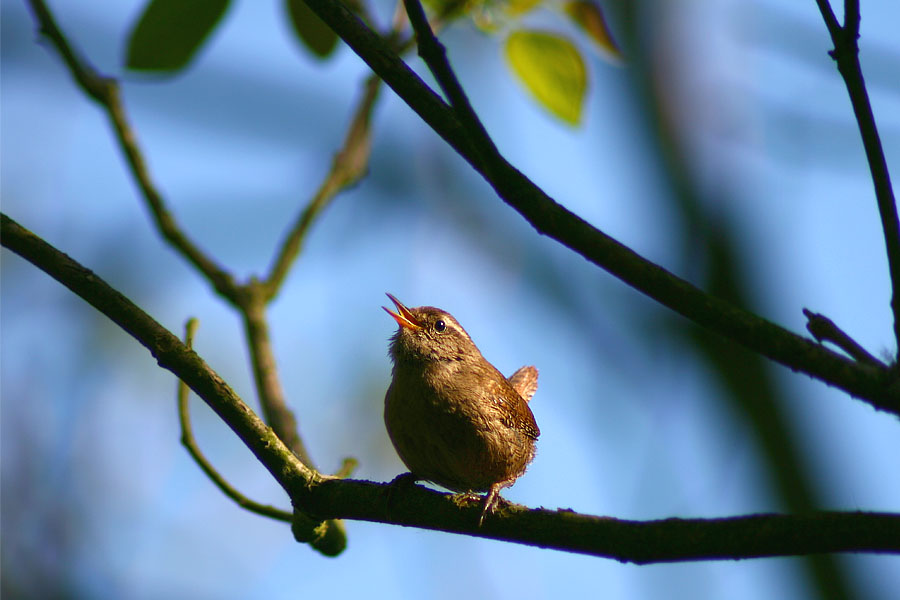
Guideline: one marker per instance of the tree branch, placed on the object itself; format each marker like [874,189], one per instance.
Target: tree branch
[252,305]
[171,354]
[350,164]
[105,91]
[331,498]
[875,386]
[846,55]
[823,329]
[641,542]
[435,56]
[250,299]
[190,444]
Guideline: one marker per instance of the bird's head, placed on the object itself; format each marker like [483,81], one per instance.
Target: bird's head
[428,334]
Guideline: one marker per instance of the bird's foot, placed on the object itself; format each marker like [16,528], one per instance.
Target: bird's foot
[490,502]
[465,499]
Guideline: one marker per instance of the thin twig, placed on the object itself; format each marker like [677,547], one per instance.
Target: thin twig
[329,497]
[105,91]
[188,441]
[252,305]
[846,55]
[823,329]
[349,165]
[166,348]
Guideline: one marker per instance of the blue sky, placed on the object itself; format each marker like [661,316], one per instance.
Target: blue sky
[631,426]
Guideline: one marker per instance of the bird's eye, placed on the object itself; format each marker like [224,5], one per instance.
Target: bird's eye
[440,325]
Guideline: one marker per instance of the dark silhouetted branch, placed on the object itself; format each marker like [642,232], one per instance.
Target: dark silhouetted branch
[823,329]
[552,219]
[846,55]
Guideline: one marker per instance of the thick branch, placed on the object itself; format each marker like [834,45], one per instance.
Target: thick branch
[552,219]
[166,348]
[171,354]
[846,55]
[349,165]
[332,498]
[642,542]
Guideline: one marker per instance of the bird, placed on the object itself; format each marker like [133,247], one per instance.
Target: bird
[452,417]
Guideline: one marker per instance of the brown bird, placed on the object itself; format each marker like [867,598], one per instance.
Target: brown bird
[453,418]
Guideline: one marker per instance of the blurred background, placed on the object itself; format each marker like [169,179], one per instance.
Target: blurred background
[724,149]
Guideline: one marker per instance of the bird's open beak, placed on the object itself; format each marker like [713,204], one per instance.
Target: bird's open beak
[403,316]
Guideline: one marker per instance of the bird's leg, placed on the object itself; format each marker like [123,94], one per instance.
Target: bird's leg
[490,501]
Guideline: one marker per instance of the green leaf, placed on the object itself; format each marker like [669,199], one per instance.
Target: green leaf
[552,69]
[588,15]
[312,31]
[170,32]
[520,7]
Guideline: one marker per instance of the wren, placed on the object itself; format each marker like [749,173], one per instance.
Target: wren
[453,418]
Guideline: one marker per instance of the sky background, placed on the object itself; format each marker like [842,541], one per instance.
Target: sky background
[99,499]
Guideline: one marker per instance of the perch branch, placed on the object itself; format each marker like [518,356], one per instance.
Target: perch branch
[318,497]
[641,542]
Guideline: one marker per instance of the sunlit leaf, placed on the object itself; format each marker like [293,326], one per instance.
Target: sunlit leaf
[312,31]
[520,7]
[450,9]
[588,15]
[552,69]
[170,32]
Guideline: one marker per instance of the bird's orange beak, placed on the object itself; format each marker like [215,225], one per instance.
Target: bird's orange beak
[403,316]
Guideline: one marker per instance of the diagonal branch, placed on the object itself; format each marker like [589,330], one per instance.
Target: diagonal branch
[435,56]
[823,329]
[171,354]
[350,164]
[105,91]
[846,55]
[247,298]
[552,219]
[250,298]
[641,542]
[252,306]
